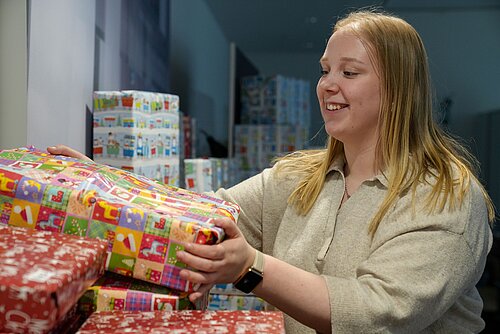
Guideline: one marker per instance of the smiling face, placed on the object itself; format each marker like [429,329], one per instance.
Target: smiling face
[349,91]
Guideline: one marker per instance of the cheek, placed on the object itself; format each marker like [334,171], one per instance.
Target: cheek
[318,91]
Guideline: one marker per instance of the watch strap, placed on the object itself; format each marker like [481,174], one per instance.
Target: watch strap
[258,262]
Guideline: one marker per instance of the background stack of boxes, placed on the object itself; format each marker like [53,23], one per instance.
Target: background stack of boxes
[208,174]
[138,131]
[275,119]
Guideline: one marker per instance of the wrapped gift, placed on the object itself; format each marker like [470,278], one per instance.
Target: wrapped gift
[116,292]
[227,297]
[144,221]
[198,175]
[185,322]
[71,322]
[42,276]
[219,301]
[138,131]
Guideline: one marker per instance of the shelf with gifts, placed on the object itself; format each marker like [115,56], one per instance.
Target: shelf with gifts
[274,120]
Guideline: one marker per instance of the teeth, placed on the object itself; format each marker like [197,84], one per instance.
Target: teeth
[331,106]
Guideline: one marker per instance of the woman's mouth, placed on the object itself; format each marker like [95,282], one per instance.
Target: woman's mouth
[335,106]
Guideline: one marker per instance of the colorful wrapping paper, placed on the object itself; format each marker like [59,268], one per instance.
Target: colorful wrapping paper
[116,292]
[227,297]
[138,131]
[185,322]
[217,301]
[42,276]
[144,221]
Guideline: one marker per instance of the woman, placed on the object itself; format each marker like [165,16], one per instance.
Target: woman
[385,230]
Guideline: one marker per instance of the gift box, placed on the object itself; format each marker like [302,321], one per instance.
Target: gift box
[116,292]
[184,322]
[144,221]
[138,131]
[42,276]
[227,297]
[198,174]
[220,301]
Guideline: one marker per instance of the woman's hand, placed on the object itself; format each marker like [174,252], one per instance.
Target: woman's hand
[67,151]
[221,263]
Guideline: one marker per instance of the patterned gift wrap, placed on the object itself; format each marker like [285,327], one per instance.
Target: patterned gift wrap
[42,276]
[184,322]
[138,131]
[144,221]
[225,296]
[217,301]
[116,292]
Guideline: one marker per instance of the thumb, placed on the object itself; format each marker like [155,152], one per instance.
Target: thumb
[232,231]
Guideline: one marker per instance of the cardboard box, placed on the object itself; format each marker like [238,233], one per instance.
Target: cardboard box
[144,221]
[42,276]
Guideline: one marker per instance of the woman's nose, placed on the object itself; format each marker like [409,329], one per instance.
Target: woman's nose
[329,83]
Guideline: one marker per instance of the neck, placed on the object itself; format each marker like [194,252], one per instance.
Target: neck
[360,165]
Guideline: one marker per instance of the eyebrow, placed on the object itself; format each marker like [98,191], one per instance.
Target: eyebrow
[345,60]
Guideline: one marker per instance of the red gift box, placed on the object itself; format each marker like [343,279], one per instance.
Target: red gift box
[186,321]
[42,276]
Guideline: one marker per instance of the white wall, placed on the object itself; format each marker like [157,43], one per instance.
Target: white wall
[199,60]
[13,74]
[60,75]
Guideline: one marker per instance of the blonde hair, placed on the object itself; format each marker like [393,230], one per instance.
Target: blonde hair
[411,146]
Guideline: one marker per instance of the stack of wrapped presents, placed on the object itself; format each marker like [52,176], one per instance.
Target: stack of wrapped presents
[274,120]
[138,131]
[84,244]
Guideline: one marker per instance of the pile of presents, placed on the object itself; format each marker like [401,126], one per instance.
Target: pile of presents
[86,247]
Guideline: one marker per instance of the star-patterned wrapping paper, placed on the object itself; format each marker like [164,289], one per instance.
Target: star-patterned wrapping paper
[244,322]
[144,221]
[42,276]
[116,292]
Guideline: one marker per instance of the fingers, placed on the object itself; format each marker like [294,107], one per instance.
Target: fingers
[198,277]
[213,252]
[230,228]
[67,151]
[200,292]
[200,261]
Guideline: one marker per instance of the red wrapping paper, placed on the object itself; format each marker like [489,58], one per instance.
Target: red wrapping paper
[42,276]
[184,322]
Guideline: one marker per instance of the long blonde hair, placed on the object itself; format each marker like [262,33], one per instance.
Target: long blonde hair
[411,145]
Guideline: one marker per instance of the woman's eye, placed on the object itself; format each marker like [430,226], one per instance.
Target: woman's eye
[323,72]
[349,73]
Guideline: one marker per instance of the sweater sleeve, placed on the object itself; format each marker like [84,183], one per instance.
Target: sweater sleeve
[420,267]
[263,200]
[248,195]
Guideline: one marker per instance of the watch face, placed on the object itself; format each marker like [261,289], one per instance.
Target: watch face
[248,282]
